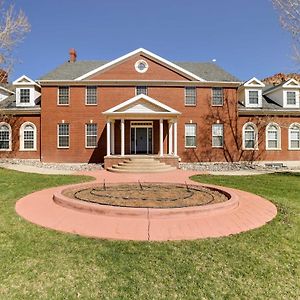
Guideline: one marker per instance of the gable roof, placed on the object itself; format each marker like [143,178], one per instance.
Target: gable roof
[196,70]
[121,108]
[285,84]
[146,53]
[206,70]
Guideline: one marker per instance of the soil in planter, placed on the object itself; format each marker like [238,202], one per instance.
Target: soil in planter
[148,195]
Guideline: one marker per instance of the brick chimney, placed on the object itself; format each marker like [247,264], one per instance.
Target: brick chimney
[73,55]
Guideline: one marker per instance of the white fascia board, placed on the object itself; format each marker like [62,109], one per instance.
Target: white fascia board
[138,97]
[146,52]
[292,80]
[6,90]
[30,81]
[259,83]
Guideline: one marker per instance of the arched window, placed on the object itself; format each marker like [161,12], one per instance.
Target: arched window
[272,136]
[28,137]
[249,136]
[294,136]
[5,137]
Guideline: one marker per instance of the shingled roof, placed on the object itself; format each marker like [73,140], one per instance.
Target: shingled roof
[70,71]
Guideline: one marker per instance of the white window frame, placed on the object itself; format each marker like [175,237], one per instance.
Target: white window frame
[22,148]
[212,96]
[29,96]
[63,147]
[285,104]
[278,137]
[289,136]
[185,96]
[69,92]
[141,86]
[10,137]
[255,136]
[247,97]
[185,136]
[86,136]
[212,135]
[86,95]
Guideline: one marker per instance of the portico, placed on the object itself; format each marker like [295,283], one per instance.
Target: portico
[139,126]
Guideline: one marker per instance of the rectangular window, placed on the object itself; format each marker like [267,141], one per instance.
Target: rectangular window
[190,135]
[291,98]
[63,95]
[190,96]
[141,90]
[4,137]
[253,97]
[217,96]
[24,95]
[217,135]
[91,135]
[63,135]
[91,95]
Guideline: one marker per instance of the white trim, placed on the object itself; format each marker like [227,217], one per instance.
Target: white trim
[212,135]
[141,61]
[21,132]
[258,83]
[285,104]
[86,88]
[69,95]
[144,97]
[30,81]
[122,137]
[287,84]
[194,146]
[278,136]
[135,52]
[289,136]
[10,137]
[57,136]
[175,137]
[6,90]
[85,134]
[247,97]
[194,88]
[255,137]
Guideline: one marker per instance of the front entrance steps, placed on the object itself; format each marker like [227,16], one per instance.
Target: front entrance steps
[141,165]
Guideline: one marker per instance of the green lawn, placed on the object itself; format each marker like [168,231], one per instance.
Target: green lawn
[36,263]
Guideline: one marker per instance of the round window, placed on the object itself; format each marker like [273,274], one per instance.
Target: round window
[141,66]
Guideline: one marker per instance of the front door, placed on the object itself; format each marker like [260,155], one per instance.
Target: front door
[141,137]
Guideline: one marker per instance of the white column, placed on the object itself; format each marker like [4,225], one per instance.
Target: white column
[175,137]
[112,141]
[161,137]
[170,137]
[122,137]
[108,137]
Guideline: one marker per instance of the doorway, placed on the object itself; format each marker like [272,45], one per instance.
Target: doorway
[141,137]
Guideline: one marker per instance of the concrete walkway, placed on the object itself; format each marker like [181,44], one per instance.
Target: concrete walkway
[252,212]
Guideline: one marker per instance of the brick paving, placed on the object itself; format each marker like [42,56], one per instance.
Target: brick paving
[252,212]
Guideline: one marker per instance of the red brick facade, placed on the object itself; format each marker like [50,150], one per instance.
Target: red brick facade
[118,84]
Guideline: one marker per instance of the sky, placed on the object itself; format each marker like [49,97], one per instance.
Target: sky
[245,37]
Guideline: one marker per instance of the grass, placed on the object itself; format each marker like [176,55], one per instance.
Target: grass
[36,263]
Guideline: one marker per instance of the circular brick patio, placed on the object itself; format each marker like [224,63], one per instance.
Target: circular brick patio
[243,212]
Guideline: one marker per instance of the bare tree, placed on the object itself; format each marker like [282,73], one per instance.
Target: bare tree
[289,15]
[13,27]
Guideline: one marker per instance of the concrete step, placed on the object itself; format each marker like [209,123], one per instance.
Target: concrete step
[141,165]
[116,170]
[129,167]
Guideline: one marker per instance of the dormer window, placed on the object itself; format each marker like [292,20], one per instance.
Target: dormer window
[291,98]
[253,97]
[24,95]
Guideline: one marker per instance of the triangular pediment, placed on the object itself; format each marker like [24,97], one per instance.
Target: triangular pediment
[141,104]
[254,82]
[168,65]
[291,83]
[24,80]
